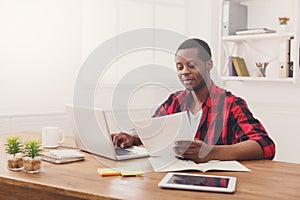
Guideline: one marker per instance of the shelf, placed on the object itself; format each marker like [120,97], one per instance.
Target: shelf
[261,47]
[256,79]
[236,38]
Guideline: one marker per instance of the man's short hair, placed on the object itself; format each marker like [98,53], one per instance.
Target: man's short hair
[204,51]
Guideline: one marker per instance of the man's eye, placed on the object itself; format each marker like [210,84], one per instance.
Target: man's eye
[191,66]
[179,67]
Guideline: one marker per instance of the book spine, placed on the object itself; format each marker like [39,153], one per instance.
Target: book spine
[232,71]
[236,65]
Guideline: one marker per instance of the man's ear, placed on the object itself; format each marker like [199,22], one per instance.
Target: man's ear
[209,65]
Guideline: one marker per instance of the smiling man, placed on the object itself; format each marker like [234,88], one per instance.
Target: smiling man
[225,128]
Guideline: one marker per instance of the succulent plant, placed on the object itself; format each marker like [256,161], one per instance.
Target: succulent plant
[13,145]
[32,148]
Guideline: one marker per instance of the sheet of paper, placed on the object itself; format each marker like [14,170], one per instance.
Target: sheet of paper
[159,134]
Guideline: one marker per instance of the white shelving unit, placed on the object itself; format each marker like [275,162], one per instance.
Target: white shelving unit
[262,47]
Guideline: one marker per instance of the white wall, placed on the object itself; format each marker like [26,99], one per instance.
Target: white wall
[98,24]
[44,43]
[40,52]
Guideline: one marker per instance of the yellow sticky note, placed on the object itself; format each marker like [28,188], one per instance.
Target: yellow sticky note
[131,171]
[108,172]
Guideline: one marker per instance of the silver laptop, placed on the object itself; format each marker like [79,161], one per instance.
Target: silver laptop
[91,133]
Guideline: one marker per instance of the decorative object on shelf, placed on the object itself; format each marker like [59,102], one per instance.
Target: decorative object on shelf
[13,148]
[32,162]
[283,24]
[283,20]
[261,67]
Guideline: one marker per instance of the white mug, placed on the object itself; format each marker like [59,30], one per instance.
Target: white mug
[51,136]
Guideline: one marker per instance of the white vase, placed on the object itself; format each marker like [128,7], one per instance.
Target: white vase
[283,28]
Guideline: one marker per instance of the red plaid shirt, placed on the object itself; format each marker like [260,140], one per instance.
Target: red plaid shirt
[226,119]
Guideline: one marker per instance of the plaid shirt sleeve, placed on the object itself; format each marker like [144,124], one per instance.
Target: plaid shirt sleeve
[246,127]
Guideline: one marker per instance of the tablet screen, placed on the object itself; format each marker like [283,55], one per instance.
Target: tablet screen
[199,181]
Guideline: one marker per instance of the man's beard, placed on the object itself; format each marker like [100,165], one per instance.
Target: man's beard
[197,87]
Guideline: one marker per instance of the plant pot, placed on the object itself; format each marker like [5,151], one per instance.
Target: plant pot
[15,162]
[283,28]
[32,165]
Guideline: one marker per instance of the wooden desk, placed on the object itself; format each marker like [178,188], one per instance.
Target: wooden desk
[79,180]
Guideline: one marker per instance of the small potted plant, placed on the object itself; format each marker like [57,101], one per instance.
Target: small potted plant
[283,24]
[32,161]
[283,20]
[13,148]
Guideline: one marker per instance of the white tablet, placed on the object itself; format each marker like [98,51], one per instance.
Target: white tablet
[198,182]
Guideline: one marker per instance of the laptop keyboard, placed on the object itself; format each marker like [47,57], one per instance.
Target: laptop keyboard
[123,152]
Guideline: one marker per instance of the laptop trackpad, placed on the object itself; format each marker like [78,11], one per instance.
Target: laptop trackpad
[133,150]
[123,152]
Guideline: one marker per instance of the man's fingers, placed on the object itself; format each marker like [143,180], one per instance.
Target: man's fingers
[183,142]
[123,145]
[122,140]
[188,144]
[115,139]
[197,140]
[118,139]
[113,135]
[182,150]
[187,149]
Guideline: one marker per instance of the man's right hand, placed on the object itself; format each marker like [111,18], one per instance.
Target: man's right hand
[122,140]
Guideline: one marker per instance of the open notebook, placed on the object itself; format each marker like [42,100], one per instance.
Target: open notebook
[164,165]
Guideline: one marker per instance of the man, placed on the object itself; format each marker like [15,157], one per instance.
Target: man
[225,128]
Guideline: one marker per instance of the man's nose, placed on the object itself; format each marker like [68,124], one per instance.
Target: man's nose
[185,70]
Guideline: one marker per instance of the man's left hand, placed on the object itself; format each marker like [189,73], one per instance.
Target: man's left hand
[197,150]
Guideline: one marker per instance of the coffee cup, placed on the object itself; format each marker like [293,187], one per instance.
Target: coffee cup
[52,137]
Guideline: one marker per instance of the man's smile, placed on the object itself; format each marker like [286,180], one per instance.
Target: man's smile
[187,81]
